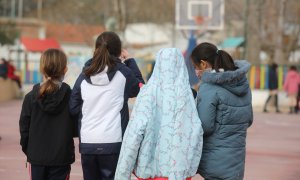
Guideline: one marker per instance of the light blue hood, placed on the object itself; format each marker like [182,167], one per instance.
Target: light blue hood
[164,135]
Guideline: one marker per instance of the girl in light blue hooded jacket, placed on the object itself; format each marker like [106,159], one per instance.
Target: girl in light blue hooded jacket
[164,135]
[225,108]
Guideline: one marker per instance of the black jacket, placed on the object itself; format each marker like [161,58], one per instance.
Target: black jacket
[46,128]
[273,79]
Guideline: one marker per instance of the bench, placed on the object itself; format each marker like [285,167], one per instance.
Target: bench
[8,89]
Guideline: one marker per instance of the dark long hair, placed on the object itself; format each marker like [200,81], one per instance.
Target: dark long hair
[53,63]
[216,58]
[274,66]
[293,68]
[107,49]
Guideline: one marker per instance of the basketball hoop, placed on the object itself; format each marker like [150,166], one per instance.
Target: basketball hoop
[201,22]
[200,14]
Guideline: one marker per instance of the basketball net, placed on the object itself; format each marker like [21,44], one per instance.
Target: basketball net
[202,23]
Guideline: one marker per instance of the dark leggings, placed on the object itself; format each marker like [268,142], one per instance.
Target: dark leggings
[275,102]
[99,167]
[39,172]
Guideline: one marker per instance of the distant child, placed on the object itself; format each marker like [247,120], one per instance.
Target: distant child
[273,87]
[46,127]
[11,73]
[3,68]
[291,85]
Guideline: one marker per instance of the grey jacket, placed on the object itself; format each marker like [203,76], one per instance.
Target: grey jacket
[225,109]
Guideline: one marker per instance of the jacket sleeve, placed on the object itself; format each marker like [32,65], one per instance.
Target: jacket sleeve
[75,103]
[131,64]
[133,137]
[135,78]
[207,108]
[24,122]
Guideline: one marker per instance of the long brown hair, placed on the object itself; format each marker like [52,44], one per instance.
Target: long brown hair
[107,48]
[53,63]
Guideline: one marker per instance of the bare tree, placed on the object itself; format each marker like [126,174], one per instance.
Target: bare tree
[252,30]
[279,51]
[280,32]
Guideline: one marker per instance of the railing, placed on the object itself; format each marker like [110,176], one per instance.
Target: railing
[257,76]
[32,75]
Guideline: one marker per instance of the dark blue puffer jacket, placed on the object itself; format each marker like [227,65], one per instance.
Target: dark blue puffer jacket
[225,109]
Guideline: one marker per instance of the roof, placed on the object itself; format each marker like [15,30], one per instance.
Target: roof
[39,45]
[232,42]
[73,33]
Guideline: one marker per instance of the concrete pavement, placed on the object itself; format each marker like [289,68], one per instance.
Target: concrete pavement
[273,147]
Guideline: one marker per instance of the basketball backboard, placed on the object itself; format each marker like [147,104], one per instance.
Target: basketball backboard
[200,14]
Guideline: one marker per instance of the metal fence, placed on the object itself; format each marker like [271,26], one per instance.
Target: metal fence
[257,76]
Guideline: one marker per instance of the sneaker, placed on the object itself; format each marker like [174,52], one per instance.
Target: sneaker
[265,111]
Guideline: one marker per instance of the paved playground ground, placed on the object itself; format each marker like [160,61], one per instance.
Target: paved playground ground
[273,147]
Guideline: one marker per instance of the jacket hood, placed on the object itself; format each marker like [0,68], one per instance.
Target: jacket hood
[164,125]
[293,74]
[55,102]
[104,77]
[234,81]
